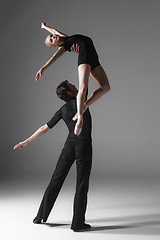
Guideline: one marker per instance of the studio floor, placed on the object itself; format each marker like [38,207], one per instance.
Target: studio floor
[117,209]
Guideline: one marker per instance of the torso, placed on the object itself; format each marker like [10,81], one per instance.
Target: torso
[87,51]
[68,111]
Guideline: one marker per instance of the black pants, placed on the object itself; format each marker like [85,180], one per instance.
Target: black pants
[81,150]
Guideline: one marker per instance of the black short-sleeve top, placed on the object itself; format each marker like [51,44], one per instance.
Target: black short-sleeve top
[66,113]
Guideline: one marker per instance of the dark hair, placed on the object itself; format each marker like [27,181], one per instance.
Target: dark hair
[62,90]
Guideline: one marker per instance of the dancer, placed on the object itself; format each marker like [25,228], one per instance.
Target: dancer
[76,147]
[88,64]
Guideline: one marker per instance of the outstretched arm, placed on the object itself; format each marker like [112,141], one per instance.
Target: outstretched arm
[43,129]
[52,30]
[56,55]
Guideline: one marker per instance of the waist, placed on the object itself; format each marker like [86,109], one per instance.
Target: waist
[81,136]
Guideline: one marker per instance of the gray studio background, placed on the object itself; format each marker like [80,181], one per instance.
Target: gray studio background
[126,131]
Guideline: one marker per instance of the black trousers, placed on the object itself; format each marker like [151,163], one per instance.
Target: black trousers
[81,151]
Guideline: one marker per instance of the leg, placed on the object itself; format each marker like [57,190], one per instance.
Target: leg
[83,72]
[99,75]
[63,166]
[83,162]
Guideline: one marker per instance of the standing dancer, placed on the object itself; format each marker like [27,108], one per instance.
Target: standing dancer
[76,147]
[88,64]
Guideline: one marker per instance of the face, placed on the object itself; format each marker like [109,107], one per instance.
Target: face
[73,90]
[52,40]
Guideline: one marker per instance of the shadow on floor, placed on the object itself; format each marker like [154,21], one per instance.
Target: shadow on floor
[142,224]
[56,224]
[155,216]
[137,224]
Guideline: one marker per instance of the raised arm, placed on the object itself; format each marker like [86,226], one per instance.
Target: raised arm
[56,55]
[43,129]
[52,30]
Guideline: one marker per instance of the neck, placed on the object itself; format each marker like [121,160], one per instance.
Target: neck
[73,97]
[61,40]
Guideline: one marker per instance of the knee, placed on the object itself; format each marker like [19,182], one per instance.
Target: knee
[82,90]
[106,88]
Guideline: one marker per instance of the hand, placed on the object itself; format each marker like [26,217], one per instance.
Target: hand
[75,48]
[43,25]
[76,115]
[78,126]
[39,74]
[21,145]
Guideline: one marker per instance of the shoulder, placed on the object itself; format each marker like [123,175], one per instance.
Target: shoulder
[63,107]
[60,110]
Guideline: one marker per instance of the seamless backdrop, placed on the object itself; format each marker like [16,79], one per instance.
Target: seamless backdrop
[126,132]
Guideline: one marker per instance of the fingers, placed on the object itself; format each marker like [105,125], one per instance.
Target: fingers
[75,48]
[37,76]
[17,146]
[20,145]
[43,24]
[75,117]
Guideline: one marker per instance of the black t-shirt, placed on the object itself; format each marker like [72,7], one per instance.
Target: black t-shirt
[66,113]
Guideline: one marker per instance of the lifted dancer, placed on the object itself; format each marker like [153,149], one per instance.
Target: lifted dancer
[77,148]
[88,64]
